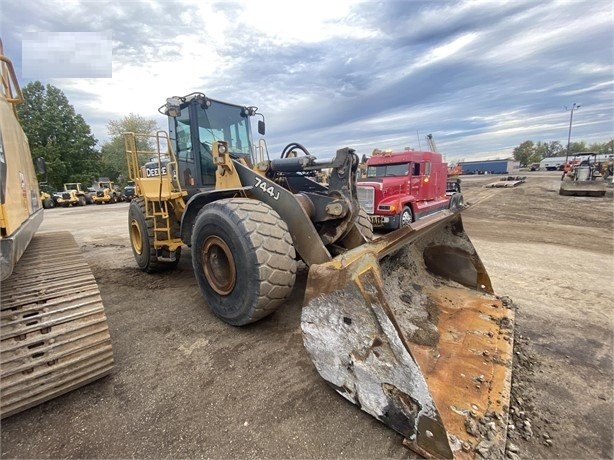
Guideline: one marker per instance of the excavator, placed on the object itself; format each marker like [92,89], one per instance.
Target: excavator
[54,335]
[404,325]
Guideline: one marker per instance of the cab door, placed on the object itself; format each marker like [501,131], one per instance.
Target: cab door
[428,181]
[415,178]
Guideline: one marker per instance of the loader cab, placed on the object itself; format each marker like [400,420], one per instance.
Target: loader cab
[195,122]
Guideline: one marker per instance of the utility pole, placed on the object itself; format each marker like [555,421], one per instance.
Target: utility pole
[573,107]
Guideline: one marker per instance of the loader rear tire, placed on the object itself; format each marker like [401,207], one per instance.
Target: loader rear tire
[142,240]
[243,259]
[82,201]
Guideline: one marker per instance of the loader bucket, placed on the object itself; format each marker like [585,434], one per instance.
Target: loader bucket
[408,328]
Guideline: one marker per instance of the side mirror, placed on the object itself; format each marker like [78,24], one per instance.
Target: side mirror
[41,166]
[261,127]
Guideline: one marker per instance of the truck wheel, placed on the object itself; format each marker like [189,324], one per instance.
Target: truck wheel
[407,217]
[456,202]
[243,259]
[142,240]
[82,201]
[364,224]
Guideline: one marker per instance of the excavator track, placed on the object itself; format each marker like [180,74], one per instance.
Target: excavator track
[53,328]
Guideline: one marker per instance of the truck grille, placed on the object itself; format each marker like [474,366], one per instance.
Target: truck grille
[366,198]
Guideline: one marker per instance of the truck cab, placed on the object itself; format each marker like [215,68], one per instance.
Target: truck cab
[401,187]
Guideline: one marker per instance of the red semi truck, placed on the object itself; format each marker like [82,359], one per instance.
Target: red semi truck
[401,187]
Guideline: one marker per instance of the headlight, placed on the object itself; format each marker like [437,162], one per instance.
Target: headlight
[221,149]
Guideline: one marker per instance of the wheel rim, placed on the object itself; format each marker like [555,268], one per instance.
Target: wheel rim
[405,218]
[219,265]
[136,237]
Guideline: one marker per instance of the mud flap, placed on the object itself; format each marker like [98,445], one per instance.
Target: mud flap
[407,328]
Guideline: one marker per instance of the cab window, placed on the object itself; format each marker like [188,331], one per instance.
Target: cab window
[184,141]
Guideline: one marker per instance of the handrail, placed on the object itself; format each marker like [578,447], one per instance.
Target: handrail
[12,92]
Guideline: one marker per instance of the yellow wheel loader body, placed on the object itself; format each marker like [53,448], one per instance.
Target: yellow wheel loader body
[73,194]
[406,325]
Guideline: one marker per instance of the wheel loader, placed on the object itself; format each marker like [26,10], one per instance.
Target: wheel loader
[404,325]
[105,193]
[47,200]
[53,329]
[74,194]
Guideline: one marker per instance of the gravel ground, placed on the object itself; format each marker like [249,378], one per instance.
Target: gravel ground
[187,385]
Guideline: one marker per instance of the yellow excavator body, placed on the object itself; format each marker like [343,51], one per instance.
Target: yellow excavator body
[53,328]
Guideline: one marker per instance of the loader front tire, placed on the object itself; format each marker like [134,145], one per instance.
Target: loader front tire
[243,259]
[141,230]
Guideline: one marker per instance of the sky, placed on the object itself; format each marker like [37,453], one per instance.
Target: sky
[480,76]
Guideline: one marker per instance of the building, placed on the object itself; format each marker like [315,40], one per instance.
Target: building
[507,166]
[556,163]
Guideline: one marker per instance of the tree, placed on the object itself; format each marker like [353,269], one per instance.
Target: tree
[555,149]
[524,152]
[529,152]
[114,164]
[576,147]
[58,134]
[605,148]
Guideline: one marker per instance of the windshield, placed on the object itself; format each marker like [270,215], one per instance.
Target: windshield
[223,122]
[388,170]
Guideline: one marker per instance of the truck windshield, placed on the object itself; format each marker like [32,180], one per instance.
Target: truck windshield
[388,170]
[224,122]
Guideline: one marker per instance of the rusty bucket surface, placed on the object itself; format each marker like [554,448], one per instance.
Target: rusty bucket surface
[408,328]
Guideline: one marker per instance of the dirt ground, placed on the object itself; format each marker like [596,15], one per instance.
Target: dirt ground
[186,385]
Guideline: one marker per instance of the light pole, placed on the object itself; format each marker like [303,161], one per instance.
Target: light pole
[573,107]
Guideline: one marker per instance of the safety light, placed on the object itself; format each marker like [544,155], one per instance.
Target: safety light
[221,149]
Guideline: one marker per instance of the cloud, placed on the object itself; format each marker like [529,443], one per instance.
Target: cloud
[482,76]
